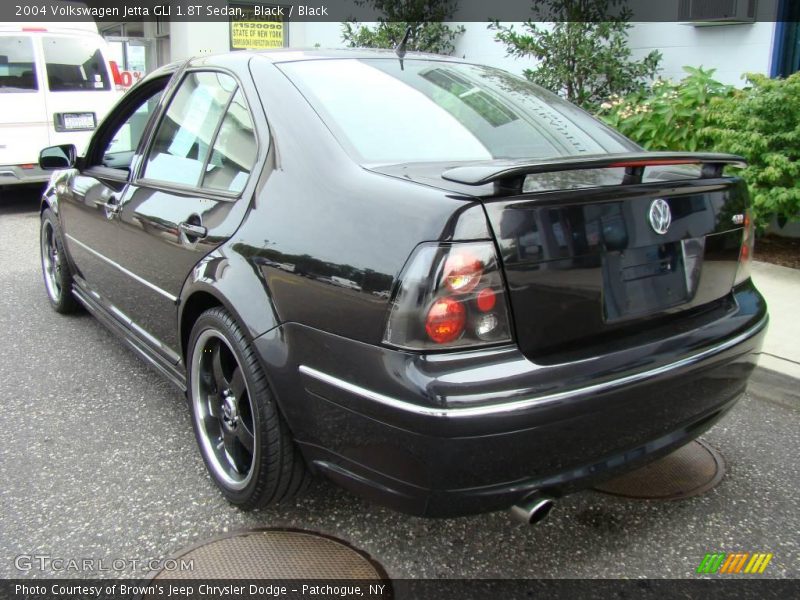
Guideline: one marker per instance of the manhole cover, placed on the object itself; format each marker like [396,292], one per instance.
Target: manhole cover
[689,471]
[274,554]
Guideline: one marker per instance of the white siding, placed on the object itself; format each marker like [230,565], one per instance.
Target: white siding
[730,49]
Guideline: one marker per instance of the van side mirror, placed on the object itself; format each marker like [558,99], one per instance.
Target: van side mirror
[58,157]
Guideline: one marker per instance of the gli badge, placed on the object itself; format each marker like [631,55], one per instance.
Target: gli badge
[660,216]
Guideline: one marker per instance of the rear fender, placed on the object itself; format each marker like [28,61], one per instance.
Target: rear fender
[235,284]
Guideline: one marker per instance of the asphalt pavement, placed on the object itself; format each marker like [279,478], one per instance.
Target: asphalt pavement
[98,461]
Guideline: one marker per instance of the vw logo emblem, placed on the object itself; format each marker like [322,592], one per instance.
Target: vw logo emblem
[660,216]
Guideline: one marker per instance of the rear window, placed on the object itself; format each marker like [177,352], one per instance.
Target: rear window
[74,64]
[444,111]
[17,66]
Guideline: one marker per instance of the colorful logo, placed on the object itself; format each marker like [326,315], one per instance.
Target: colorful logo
[734,563]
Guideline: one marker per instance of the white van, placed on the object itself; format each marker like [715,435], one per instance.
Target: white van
[55,86]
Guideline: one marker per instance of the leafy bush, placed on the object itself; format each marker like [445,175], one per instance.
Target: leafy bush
[583,52]
[760,123]
[424,17]
[668,115]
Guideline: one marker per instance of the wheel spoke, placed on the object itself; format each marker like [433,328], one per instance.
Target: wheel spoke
[214,407]
[237,383]
[216,365]
[233,451]
[211,424]
[245,436]
[229,443]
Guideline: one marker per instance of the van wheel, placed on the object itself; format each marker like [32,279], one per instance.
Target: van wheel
[245,443]
[55,268]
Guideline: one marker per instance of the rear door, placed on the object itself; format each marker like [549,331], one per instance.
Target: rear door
[23,114]
[187,198]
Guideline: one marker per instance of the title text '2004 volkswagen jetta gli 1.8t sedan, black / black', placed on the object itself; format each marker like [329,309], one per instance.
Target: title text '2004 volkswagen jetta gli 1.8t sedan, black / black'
[431,281]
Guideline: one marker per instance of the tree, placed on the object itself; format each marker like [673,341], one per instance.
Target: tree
[583,53]
[426,19]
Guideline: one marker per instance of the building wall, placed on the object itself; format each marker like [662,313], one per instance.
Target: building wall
[730,49]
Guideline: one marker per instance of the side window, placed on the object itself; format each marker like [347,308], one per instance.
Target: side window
[182,144]
[75,64]
[234,151]
[120,150]
[17,67]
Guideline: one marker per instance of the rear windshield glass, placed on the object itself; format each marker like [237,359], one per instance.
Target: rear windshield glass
[444,111]
[17,67]
[74,64]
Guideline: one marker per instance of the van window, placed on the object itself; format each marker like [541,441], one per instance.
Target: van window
[17,66]
[74,64]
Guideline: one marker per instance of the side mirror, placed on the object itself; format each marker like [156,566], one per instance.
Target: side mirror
[58,157]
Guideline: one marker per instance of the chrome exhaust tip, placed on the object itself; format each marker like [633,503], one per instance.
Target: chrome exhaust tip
[533,509]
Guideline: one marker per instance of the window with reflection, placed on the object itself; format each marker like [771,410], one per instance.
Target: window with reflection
[234,152]
[17,66]
[182,145]
[74,64]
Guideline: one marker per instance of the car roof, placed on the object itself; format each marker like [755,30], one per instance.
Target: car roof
[280,55]
[283,55]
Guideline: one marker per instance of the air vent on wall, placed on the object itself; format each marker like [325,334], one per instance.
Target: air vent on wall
[717,12]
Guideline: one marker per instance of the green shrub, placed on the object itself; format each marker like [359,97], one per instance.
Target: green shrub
[668,115]
[582,52]
[426,18]
[760,123]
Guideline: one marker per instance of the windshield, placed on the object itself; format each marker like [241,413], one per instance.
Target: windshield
[74,64]
[17,68]
[444,111]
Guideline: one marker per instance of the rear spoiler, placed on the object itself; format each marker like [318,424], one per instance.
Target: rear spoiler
[510,175]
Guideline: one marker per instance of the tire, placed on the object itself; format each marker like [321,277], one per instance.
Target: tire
[233,411]
[55,267]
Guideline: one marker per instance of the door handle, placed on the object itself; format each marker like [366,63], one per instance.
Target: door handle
[190,230]
[112,206]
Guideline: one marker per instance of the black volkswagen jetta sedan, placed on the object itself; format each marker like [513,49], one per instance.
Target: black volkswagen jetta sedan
[431,281]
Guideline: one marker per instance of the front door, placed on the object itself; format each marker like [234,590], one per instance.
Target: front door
[185,200]
[91,200]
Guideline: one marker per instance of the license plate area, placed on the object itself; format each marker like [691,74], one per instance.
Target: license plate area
[642,281]
[84,121]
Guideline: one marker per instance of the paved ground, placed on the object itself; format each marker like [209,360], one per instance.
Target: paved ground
[98,460]
[781,286]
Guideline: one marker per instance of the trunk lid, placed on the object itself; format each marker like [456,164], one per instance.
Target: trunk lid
[586,268]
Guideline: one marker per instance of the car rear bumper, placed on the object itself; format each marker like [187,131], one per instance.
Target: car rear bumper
[467,432]
[17,175]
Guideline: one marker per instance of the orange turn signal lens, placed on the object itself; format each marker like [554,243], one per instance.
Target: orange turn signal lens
[445,321]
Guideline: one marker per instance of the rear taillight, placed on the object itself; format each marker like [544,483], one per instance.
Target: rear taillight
[746,251]
[449,296]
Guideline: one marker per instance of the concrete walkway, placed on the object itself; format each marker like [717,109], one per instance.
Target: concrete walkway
[781,287]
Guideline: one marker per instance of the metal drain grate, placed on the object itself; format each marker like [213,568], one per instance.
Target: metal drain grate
[275,554]
[689,471]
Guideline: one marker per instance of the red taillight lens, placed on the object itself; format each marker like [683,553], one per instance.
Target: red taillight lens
[462,272]
[449,296]
[446,320]
[486,299]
